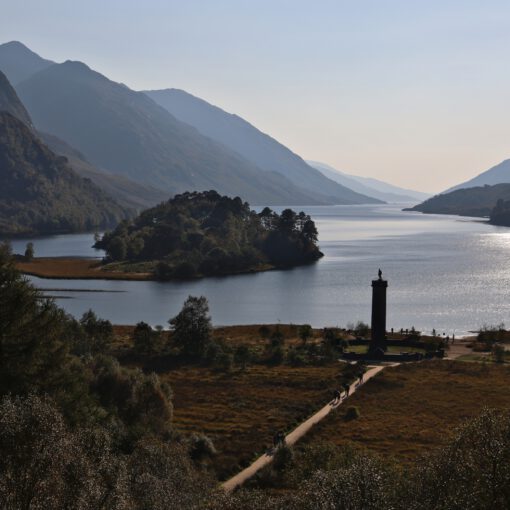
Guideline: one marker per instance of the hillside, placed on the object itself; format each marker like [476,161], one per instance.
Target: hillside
[126,133]
[40,194]
[500,215]
[18,62]
[205,234]
[369,186]
[9,101]
[259,148]
[126,192]
[478,201]
[496,175]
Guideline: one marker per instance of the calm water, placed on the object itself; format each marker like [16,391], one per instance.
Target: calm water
[447,273]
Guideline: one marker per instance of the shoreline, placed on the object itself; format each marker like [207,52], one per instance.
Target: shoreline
[81,268]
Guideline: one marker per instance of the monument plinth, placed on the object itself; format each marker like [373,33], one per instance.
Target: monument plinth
[378,344]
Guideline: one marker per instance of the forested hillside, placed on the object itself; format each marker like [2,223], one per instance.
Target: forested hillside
[206,234]
[478,201]
[40,194]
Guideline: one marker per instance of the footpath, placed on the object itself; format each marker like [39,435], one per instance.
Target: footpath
[296,434]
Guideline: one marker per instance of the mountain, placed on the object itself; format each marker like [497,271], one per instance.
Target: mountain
[496,175]
[9,101]
[19,63]
[259,148]
[126,133]
[479,201]
[40,194]
[369,186]
[126,192]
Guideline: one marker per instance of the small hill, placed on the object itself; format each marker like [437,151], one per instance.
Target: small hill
[479,201]
[126,133]
[259,148]
[496,175]
[19,63]
[369,186]
[204,234]
[40,194]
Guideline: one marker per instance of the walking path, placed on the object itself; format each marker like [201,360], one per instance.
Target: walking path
[296,434]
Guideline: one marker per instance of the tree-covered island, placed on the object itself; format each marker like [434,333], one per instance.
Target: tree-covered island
[206,234]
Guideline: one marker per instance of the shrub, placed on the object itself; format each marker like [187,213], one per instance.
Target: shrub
[352,413]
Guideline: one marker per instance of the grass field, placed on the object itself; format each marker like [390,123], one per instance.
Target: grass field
[72,268]
[409,409]
[240,411]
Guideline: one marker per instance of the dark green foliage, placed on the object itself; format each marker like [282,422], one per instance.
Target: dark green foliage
[205,234]
[500,215]
[192,328]
[40,194]
[99,333]
[147,341]
[305,332]
[478,201]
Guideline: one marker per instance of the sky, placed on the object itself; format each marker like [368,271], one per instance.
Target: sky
[413,92]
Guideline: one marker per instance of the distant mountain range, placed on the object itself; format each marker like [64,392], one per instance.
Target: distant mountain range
[478,201]
[256,147]
[124,132]
[39,192]
[496,175]
[369,186]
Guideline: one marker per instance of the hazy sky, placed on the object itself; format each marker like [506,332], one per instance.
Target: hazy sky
[415,92]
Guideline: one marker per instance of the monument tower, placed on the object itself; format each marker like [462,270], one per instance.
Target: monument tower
[378,337]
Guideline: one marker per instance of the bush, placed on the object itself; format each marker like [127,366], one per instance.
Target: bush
[498,353]
[352,413]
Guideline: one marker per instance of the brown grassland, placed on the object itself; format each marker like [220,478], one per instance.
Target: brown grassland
[240,411]
[74,268]
[408,410]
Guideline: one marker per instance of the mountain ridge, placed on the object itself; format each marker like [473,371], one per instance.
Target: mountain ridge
[252,144]
[127,133]
[497,174]
[370,186]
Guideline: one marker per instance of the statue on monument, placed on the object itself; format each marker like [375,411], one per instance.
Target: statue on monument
[380,274]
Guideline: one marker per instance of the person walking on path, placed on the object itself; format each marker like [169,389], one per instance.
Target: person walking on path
[336,397]
[360,378]
[347,389]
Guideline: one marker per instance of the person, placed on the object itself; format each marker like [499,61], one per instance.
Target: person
[347,388]
[281,438]
[336,396]
[360,377]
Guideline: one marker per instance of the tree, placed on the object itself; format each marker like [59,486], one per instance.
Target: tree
[305,332]
[99,333]
[192,329]
[146,340]
[242,355]
[29,252]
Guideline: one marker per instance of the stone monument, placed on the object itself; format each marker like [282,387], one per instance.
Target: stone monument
[378,344]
